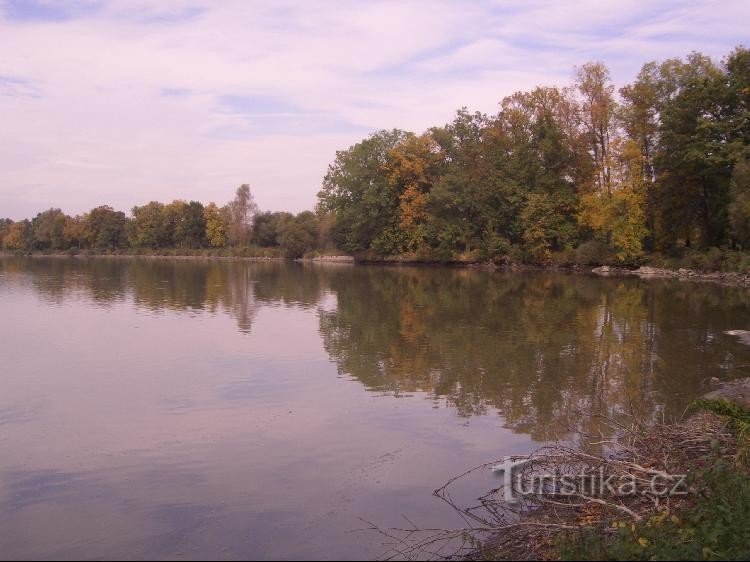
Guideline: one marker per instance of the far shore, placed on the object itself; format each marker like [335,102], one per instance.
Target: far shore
[728,278]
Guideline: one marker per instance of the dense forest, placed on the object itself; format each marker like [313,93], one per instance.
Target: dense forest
[659,169]
[578,174]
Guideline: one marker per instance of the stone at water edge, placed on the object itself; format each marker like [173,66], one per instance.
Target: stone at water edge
[737,392]
[743,335]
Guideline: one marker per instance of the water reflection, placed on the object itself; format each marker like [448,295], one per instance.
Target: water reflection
[544,349]
[547,350]
[156,408]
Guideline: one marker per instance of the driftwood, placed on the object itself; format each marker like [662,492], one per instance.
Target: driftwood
[560,489]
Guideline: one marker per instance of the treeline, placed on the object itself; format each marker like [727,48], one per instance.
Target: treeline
[578,173]
[183,225]
[658,170]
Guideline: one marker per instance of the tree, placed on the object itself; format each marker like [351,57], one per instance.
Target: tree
[267,228]
[693,163]
[298,235]
[19,236]
[545,225]
[412,168]
[356,190]
[619,218]
[192,228]
[737,110]
[48,228]
[242,209]
[639,115]
[149,229]
[217,226]
[5,225]
[546,161]
[75,232]
[456,201]
[173,215]
[106,229]
[598,111]
[739,207]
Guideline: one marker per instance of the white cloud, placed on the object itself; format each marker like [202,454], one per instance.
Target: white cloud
[85,119]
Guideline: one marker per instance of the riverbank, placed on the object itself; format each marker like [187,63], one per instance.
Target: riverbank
[179,255]
[729,278]
[701,511]
[647,272]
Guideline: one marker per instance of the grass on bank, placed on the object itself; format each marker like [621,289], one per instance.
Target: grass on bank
[713,523]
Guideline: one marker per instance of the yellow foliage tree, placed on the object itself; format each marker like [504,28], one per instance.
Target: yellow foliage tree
[217,227]
[618,215]
[411,171]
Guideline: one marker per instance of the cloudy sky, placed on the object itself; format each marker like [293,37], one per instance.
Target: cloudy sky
[125,101]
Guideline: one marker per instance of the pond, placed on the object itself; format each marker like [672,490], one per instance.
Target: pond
[166,408]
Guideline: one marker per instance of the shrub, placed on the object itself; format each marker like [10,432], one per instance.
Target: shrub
[715,527]
[593,252]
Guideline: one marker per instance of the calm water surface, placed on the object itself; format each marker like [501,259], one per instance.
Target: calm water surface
[183,409]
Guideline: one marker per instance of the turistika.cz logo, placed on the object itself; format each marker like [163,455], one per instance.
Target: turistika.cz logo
[521,480]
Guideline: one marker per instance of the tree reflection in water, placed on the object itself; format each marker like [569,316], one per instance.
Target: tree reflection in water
[544,349]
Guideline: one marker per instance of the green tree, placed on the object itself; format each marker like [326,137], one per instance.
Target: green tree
[173,215]
[48,228]
[149,229]
[267,228]
[106,229]
[298,235]
[456,201]
[357,192]
[547,163]
[693,163]
[739,207]
[191,231]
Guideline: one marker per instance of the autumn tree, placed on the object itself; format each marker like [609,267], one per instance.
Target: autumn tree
[618,218]
[75,232]
[598,106]
[412,168]
[242,209]
[19,236]
[217,226]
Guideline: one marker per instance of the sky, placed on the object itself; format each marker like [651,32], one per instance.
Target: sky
[121,102]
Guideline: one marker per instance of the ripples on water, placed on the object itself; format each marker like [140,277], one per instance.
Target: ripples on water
[169,408]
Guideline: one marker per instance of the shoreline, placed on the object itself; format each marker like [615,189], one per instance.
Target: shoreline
[555,530]
[726,278]
[181,257]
